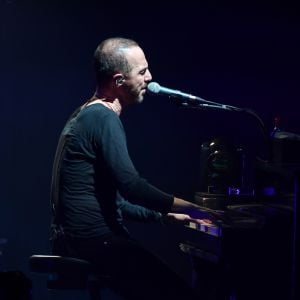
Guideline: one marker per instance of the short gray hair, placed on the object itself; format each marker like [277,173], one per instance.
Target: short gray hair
[110,58]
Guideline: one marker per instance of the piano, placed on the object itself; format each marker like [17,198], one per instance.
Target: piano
[252,251]
[245,255]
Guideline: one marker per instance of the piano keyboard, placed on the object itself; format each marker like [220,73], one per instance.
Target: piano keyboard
[210,229]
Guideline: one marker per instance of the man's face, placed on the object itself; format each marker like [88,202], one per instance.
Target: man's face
[136,82]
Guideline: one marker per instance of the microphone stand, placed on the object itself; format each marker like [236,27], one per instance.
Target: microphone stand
[196,102]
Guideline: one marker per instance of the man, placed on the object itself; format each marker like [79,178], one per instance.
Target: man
[93,173]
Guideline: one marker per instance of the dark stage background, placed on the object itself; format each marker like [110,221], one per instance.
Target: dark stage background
[237,54]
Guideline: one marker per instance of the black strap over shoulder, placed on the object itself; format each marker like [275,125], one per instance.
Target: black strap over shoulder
[56,228]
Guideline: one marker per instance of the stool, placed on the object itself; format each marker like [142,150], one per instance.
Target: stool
[68,273]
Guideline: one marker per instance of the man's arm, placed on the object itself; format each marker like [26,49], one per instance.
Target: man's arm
[140,213]
[137,212]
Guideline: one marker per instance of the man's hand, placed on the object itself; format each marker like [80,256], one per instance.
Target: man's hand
[194,211]
[174,218]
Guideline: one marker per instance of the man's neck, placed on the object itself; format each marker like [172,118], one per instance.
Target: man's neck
[112,104]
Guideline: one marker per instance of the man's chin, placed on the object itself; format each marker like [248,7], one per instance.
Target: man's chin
[139,99]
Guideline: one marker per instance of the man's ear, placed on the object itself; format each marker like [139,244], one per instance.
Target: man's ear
[119,79]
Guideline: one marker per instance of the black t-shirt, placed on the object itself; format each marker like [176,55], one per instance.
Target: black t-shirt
[96,172]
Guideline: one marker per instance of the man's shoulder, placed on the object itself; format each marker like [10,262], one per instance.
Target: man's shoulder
[98,111]
[98,116]
[97,108]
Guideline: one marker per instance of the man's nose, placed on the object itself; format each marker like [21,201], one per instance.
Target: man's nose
[148,76]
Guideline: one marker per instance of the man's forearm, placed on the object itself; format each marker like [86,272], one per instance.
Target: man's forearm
[195,211]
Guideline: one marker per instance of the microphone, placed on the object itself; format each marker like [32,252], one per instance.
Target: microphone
[155,88]
[188,99]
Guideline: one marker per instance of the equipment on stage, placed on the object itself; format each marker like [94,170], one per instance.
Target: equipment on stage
[252,250]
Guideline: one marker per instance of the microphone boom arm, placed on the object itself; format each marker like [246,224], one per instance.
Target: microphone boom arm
[191,101]
[201,103]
